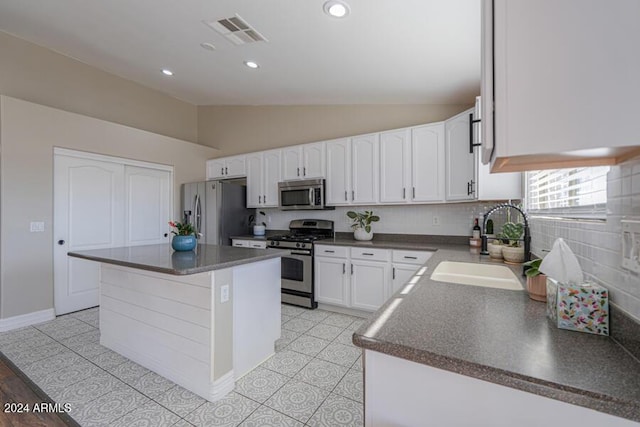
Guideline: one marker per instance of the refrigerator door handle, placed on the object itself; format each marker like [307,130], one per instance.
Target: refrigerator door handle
[198,210]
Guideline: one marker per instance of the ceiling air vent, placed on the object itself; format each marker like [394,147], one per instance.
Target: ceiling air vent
[236,30]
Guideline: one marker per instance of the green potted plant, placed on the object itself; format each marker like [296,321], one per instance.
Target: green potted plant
[259,226]
[536,280]
[184,236]
[362,224]
[512,251]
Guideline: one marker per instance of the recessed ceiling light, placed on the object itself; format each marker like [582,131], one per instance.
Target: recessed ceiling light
[336,8]
[251,64]
[167,72]
[207,46]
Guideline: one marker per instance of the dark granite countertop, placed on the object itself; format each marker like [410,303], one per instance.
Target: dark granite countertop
[503,337]
[163,259]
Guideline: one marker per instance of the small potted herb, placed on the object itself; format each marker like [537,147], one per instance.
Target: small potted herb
[513,251]
[536,280]
[259,226]
[362,224]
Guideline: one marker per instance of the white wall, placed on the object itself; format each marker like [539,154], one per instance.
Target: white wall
[455,219]
[28,134]
[598,245]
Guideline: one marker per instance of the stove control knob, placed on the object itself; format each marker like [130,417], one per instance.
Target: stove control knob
[297,245]
[304,245]
[273,243]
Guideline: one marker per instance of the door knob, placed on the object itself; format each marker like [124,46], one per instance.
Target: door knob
[166,234]
[61,242]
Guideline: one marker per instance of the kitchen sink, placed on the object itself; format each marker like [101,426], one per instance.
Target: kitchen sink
[486,275]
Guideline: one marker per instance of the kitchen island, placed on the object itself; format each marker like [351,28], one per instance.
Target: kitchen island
[461,355]
[200,318]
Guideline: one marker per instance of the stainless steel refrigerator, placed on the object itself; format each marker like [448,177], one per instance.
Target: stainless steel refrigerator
[217,209]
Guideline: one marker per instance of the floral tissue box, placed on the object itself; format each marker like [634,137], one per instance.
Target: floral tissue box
[582,308]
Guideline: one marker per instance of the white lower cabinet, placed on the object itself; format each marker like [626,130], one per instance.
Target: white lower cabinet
[357,277]
[332,281]
[369,284]
[401,274]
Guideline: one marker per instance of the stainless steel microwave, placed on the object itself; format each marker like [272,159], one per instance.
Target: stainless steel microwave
[299,195]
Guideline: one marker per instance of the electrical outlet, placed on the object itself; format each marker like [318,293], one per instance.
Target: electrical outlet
[224,293]
[36,227]
[435,221]
[631,245]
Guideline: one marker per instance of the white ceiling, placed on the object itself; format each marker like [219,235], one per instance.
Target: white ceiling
[385,51]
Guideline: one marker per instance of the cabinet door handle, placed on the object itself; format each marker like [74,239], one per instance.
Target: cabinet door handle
[221,171]
[394,273]
[345,196]
[367,253]
[352,269]
[226,170]
[468,188]
[344,268]
[304,171]
[404,193]
[353,195]
[411,257]
[414,192]
[473,190]
[329,252]
[298,171]
[259,199]
[471,122]
[264,198]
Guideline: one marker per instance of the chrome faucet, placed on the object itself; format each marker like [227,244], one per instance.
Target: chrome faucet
[527,233]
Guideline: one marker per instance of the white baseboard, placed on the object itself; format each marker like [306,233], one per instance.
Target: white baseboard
[222,386]
[345,310]
[28,319]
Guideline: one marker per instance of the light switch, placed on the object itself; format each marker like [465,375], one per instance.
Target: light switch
[36,227]
[631,245]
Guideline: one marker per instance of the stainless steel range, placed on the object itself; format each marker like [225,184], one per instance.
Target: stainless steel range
[297,265]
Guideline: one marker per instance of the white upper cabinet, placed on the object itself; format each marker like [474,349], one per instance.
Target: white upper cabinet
[460,160]
[226,167]
[364,169]
[338,186]
[303,161]
[428,163]
[395,166]
[412,165]
[263,175]
[352,170]
[565,79]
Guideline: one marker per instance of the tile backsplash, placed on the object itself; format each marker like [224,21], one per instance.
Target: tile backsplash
[598,245]
[455,219]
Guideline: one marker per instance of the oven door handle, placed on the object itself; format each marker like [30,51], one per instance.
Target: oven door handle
[300,253]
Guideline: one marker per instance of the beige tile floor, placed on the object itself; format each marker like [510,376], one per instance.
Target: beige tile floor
[314,379]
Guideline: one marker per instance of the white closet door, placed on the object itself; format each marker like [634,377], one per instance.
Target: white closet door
[148,205]
[88,214]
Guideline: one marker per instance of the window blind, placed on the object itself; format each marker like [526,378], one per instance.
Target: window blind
[570,193]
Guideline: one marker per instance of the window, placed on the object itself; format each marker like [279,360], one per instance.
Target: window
[569,193]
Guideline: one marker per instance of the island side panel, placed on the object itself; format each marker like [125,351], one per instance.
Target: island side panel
[160,321]
[221,375]
[256,313]
[402,392]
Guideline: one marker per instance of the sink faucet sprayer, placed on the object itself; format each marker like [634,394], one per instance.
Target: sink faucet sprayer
[527,234]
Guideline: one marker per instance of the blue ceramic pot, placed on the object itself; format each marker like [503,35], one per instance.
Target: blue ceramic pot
[183,243]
